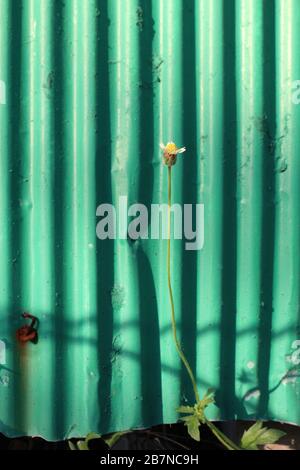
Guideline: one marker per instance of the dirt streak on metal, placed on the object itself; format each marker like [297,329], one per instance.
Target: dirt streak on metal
[22,395]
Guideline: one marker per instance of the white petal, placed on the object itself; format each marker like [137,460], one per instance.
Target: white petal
[183,149]
[162,146]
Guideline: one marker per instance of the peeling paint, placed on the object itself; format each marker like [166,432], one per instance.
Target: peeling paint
[116,348]
[2,353]
[253,394]
[282,165]
[291,376]
[289,380]
[251,365]
[4,380]
[118,297]
[140,18]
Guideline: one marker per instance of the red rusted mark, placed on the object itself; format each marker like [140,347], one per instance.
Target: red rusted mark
[28,332]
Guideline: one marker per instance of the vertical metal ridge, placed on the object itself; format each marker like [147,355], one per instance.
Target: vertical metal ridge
[14,116]
[124,90]
[105,253]
[251,126]
[147,249]
[159,186]
[227,328]
[6,402]
[286,247]
[190,192]
[78,205]
[210,143]
[33,176]
[168,19]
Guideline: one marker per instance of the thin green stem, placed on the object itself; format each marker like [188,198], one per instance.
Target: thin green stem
[220,436]
[176,340]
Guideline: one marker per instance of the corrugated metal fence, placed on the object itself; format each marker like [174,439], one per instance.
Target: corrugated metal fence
[89,88]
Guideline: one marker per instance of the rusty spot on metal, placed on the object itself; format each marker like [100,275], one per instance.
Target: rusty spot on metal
[28,332]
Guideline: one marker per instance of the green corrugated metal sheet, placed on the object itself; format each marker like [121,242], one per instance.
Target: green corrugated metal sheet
[92,87]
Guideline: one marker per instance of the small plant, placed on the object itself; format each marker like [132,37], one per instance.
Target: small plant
[259,436]
[195,415]
[106,443]
[84,445]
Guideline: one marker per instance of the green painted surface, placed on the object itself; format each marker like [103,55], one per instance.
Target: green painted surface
[92,88]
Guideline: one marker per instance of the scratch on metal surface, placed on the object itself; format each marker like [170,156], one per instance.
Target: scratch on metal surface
[140,18]
[118,297]
[253,394]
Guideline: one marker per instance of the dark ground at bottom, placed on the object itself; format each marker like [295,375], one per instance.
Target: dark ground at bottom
[164,437]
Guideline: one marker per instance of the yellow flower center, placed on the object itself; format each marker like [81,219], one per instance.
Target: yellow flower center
[171,148]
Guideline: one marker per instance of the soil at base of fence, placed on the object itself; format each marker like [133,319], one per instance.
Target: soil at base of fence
[163,437]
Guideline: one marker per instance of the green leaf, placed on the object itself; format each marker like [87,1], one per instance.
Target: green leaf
[92,435]
[207,400]
[257,435]
[72,446]
[209,392]
[110,441]
[193,427]
[270,436]
[185,409]
[250,435]
[82,445]
[187,418]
